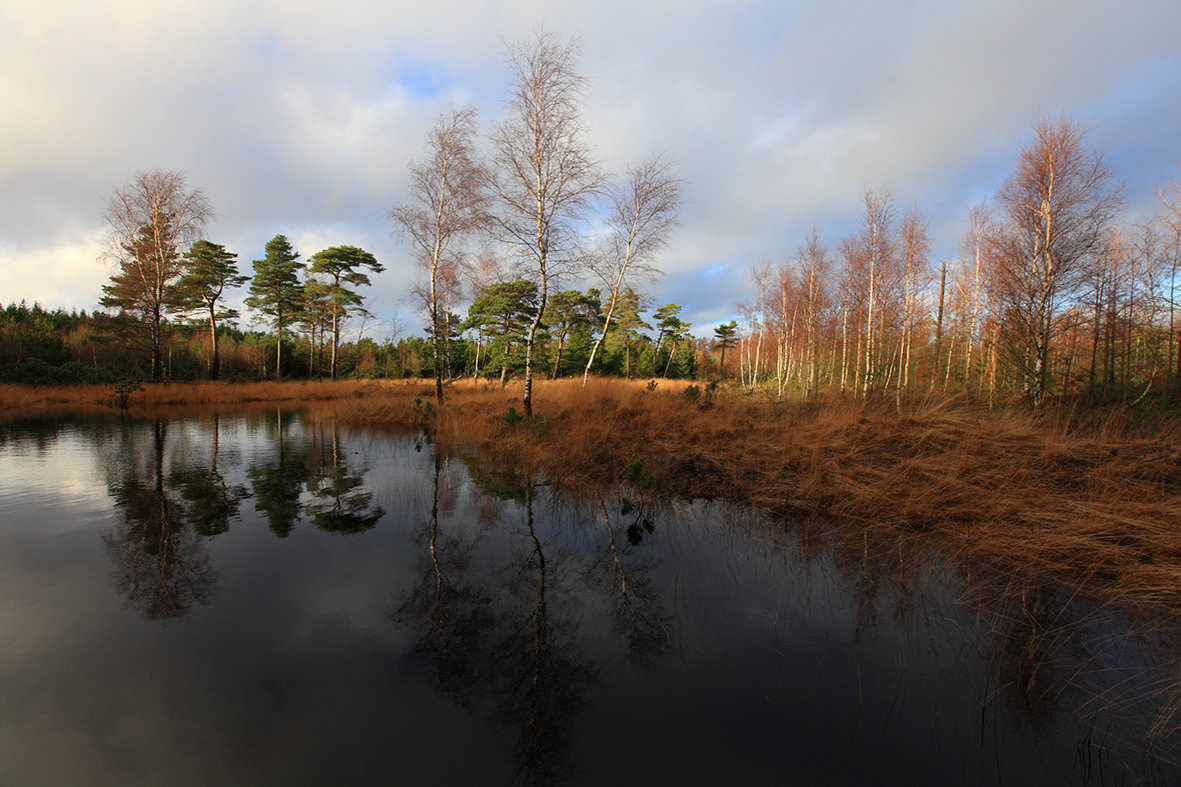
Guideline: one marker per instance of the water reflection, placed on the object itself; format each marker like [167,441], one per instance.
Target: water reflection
[278,480]
[573,640]
[316,463]
[171,497]
[340,501]
[521,653]
[518,651]
[639,614]
[212,500]
[158,560]
[450,606]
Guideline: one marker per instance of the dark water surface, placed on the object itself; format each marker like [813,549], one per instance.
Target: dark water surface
[280,600]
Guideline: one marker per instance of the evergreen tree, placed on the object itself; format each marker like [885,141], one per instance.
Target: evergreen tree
[725,336]
[209,270]
[341,265]
[683,363]
[504,312]
[275,291]
[315,316]
[671,332]
[628,325]
[565,313]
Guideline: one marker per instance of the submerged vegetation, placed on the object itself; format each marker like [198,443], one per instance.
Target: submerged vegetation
[1088,497]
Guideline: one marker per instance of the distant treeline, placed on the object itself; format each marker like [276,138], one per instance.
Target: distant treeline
[41,346]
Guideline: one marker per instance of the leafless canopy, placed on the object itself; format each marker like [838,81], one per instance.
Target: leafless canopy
[643,208]
[150,221]
[543,174]
[447,200]
[159,200]
[1055,208]
[446,197]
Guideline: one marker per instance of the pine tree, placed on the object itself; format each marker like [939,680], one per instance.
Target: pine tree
[341,265]
[725,335]
[275,291]
[209,270]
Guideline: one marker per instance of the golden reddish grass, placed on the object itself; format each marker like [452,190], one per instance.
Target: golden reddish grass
[1096,504]
[1093,499]
[29,400]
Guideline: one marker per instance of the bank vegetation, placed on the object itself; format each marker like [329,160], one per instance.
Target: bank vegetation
[1088,496]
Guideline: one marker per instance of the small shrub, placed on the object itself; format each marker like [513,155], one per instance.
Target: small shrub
[635,476]
[425,412]
[122,392]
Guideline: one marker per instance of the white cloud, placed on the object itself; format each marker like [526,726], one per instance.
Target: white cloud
[296,116]
[66,273]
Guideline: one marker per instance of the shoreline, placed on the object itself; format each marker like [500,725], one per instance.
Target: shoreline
[1086,497]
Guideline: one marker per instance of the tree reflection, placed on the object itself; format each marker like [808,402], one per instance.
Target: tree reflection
[544,665]
[517,616]
[512,649]
[212,501]
[453,613]
[160,564]
[278,483]
[1051,656]
[341,502]
[637,613]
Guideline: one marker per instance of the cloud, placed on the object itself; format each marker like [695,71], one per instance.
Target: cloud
[53,274]
[299,117]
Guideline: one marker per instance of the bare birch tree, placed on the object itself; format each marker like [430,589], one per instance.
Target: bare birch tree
[149,221]
[783,323]
[480,273]
[543,174]
[643,209]
[878,215]
[813,261]
[915,245]
[1056,206]
[978,217]
[760,274]
[446,201]
[1171,200]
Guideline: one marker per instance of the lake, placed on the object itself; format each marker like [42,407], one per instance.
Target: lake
[280,599]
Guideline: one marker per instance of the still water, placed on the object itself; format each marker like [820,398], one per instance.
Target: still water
[279,599]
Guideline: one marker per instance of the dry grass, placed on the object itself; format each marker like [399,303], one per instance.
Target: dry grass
[1092,499]
[1097,504]
[38,400]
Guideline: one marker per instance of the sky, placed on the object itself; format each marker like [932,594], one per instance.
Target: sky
[301,118]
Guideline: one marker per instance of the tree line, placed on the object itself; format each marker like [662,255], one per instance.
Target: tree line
[525,207]
[1054,292]
[42,346]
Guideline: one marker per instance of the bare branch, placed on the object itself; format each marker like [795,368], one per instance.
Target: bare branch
[544,175]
